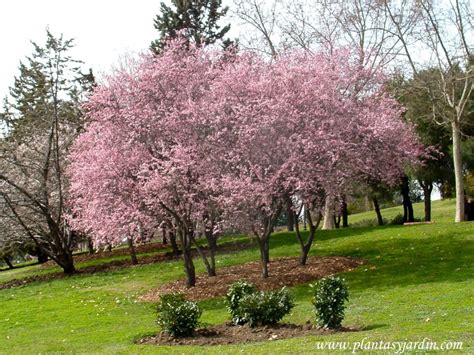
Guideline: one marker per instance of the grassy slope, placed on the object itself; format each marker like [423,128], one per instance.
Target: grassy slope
[418,284]
[442,212]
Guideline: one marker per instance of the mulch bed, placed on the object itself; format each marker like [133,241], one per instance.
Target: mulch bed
[230,334]
[283,272]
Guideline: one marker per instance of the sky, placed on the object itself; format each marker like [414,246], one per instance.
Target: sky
[103,30]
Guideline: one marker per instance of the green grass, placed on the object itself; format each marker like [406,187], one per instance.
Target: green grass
[442,212]
[418,283]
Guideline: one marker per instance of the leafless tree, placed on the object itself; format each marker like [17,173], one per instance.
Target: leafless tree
[258,19]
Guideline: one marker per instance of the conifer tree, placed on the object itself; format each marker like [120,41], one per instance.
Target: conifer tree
[197,18]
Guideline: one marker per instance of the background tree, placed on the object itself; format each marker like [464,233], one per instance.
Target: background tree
[42,119]
[199,19]
[437,169]
[445,31]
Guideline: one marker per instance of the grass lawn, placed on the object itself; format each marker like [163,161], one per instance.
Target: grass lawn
[418,284]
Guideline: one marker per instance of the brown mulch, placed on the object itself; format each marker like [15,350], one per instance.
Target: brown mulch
[283,272]
[234,334]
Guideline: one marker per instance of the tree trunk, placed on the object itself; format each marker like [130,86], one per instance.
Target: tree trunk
[264,255]
[90,246]
[8,262]
[41,255]
[164,240]
[210,266]
[407,205]
[345,213]
[290,215]
[458,175]
[427,189]
[328,222]
[185,239]
[212,244]
[174,245]
[131,249]
[189,268]
[67,264]
[306,247]
[377,211]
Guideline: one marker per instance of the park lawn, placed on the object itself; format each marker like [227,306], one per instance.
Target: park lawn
[418,283]
[442,211]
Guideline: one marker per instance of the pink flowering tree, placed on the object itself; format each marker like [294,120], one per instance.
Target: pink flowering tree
[346,129]
[307,126]
[139,165]
[202,139]
[104,188]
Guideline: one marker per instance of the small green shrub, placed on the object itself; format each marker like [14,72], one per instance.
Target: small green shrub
[236,291]
[397,220]
[365,223]
[265,308]
[330,294]
[177,316]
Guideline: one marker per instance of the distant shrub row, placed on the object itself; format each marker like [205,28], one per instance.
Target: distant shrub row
[396,220]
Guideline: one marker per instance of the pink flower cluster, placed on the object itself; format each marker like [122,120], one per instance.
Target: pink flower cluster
[189,132]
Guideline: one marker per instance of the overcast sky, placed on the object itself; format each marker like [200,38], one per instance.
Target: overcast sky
[102,29]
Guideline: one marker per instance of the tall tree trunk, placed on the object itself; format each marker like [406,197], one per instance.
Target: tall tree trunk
[8,262]
[305,247]
[345,213]
[427,189]
[328,222]
[186,239]
[131,249]
[41,255]
[290,214]
[212,244]
[67,263]
[174,245]
[90,246]
[264,255]
[458,175]
[263,240]
[377,211]
[210,266]
[164,240]
[189,268]
[407,205]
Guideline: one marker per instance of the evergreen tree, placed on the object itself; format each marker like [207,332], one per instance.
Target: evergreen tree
[197,18]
